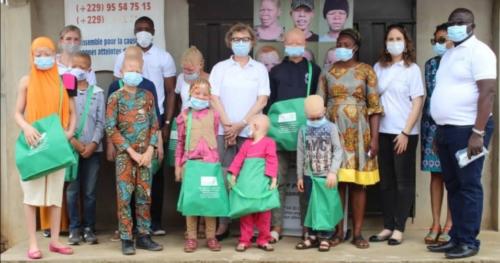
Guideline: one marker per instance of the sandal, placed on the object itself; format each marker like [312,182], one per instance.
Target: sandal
[213,244]
[433,235]
[360,242]
[190,245]
[266,247]
[444,236]
[275,237]
[307,244]
[335,241]
[324,245]
[241,247]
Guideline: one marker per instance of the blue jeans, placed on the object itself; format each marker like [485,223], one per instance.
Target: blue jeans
[307,190]
[86,181]
[465,192]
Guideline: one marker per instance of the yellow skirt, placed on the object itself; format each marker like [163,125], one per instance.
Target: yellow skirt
[358,177]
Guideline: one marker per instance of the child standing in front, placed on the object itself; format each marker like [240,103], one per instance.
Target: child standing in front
[87,142]
[202,146]
[132,126]
[319,154]
[259,146]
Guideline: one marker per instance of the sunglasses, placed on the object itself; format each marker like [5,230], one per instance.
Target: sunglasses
[440,40]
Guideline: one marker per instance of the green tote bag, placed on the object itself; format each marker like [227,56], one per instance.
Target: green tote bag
[172,143]
[251,193]
[52,153]
[203,192]
[287,117]
[325,208]
[71,172]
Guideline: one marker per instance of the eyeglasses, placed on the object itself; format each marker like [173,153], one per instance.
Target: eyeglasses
[315,118]
[241,39]
[440,40]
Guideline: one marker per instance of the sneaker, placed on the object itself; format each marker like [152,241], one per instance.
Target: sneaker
[46,233]
[145,242]
[74,237]
[158,232]
[128,247]
[89,236]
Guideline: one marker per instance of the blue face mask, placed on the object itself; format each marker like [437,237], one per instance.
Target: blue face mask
[457,33]
[192,76]
[294,51]
[44,63]
[241,48]
[343,54]
[132,79]
[316,123]
[198,104]
[439,49]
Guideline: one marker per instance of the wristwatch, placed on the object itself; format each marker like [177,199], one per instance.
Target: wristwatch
[478,132]
[167,122]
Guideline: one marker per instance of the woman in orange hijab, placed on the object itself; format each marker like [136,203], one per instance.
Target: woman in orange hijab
[39,97]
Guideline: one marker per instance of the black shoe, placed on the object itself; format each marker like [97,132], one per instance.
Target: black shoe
[74,237]
[145,242]
[377,238]
[89,236]
[442,248]
[223,235]
[461,251]
[394,242]
[128,247]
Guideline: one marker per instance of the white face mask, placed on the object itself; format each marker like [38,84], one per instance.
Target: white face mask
[79,73]
[144,39]
[395,48]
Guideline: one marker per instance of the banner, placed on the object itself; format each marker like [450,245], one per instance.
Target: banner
[108,26]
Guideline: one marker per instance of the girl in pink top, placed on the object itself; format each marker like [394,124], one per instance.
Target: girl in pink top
[259,146]
[202,146]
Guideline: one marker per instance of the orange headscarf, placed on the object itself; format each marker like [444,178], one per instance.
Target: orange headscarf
[42,97]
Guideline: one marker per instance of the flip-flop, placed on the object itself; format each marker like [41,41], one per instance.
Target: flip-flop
[360,242]
[335,241]
[266,247]
[324,245]
[313,243]
[241,247]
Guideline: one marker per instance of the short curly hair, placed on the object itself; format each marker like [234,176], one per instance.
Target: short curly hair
[239,27]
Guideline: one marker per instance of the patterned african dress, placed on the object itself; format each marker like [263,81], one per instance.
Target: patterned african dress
[430,160]
[351,97]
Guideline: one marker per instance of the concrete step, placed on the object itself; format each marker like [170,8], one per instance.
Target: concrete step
[412,250]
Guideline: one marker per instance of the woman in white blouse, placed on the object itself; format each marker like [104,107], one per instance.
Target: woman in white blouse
[402,95]
[192,69]
[240,89]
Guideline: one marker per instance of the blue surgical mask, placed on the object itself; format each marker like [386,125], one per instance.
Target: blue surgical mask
[343,54]
[457,33]
[198,104]
[44,63]
[316,123]
[241,48]
[294,51]
[439,48]
[395,48]
[132,79]
[79,73]
[192,76]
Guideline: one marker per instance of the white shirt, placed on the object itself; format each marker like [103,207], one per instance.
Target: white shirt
[61,68]
[158,64]
[398,86]
[327,38]
[238,87]
[182,88]
[454,99]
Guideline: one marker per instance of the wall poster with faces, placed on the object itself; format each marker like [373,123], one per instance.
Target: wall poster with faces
[321,21]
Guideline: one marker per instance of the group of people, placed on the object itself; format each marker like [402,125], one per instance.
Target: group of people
[348,126]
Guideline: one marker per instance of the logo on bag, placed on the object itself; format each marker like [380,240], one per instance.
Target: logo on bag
[173,135]
[40,146]
[287,117]
[208,181]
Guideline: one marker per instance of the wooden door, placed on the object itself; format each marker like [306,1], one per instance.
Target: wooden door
[372,18]
[209,22]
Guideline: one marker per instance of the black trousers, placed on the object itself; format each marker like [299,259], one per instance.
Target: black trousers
[157,189]
[397,180]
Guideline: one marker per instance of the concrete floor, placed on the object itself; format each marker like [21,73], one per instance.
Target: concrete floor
[412,250]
